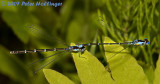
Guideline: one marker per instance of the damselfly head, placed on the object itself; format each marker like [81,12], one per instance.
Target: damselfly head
[146,41]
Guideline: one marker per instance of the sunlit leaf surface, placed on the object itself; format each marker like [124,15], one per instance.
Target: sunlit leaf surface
[124,67]
[90,70]
[157,73]
[55,77]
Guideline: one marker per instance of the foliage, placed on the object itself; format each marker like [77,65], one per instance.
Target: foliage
[157,73]
[81,21]
[90,70]
[54,77]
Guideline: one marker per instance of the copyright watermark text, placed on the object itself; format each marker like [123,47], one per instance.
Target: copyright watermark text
[23,3]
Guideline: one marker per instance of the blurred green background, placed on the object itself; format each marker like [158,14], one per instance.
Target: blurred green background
[76,21]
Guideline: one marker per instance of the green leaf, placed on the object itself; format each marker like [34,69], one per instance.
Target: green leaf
[4,6]
[55,77]
[90,70]
[17,21]
[125,69]
[74,31]
[66,11]
[157,72]
[12,67]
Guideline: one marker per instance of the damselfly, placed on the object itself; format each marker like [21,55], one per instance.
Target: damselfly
[81,47]
[78,48]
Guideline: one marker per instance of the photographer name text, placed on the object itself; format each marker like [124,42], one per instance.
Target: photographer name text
[38,3]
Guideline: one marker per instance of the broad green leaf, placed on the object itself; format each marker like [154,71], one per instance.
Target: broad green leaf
[125,69]
[12,67]
[17,21]
[90,70]
[55,77]
[149,73]
[66,12]
[157,72]
[74,31]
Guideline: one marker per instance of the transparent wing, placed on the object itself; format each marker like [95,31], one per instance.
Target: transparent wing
[45,58]
[116,53]
[39,32]
[49,62]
